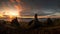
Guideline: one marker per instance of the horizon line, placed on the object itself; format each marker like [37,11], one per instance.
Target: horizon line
[33,17]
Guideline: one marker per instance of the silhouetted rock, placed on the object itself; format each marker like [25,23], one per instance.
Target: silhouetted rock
[30,22]
[49,21]
[15,22]
[36,22]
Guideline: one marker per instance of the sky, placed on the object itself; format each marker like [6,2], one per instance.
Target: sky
[41,7]
[44,7]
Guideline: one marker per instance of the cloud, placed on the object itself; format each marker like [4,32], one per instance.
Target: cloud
[40,12]
[56,14]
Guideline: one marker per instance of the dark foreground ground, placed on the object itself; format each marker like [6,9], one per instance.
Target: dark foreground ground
[41,30]
[16,27]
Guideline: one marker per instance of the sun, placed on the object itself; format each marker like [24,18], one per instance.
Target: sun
[12,13]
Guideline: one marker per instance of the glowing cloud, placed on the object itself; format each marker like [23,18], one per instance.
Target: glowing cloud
[13,8]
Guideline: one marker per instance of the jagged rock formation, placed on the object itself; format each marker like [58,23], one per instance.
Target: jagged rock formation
[36,23]
[15,22]
[49,21]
